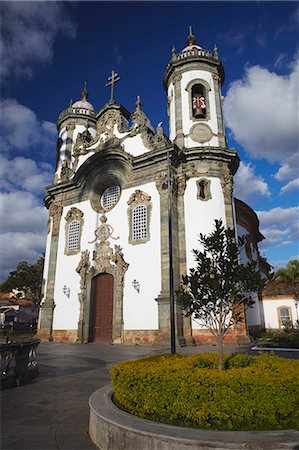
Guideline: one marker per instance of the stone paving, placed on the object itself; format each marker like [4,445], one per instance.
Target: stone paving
[52,411]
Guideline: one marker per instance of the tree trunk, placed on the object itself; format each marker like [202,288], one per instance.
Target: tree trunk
[220,351]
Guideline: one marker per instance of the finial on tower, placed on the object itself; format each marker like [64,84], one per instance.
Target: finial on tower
[84,93]
[191,38]
[215,51]
[138,103]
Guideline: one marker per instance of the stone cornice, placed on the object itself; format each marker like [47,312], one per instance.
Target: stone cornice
[176,64]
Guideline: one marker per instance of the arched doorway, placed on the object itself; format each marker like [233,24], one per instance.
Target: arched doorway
[102,308]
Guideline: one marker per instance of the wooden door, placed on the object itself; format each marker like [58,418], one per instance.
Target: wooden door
[102,315]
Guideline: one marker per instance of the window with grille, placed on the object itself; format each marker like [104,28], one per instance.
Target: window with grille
[139,222]
[110,197]
[73,243]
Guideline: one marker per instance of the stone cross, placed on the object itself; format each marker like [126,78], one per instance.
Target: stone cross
[112,80]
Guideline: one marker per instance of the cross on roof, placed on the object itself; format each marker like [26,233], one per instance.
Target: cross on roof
[112,80]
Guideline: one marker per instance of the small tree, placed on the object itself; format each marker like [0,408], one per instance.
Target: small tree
[219,288]
[27,279]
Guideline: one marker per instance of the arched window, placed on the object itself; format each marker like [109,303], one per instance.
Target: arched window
[73,230]
[204,189]
[139,217]
[199,105]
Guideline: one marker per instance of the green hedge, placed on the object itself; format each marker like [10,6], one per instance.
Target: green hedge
[253,393]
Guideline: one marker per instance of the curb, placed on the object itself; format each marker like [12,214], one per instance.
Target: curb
[113,429]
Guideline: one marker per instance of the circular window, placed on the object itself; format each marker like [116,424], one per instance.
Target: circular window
[110,197]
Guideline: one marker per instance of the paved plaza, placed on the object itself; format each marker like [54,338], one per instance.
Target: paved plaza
[52,411]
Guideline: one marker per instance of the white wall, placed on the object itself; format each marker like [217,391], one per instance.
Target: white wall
[271,312]
[200,217]
[140,310]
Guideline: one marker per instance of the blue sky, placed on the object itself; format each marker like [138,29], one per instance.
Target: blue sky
[50,48]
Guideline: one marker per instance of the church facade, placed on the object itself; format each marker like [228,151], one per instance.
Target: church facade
[120,189]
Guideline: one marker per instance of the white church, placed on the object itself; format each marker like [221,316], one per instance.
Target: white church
[106,275]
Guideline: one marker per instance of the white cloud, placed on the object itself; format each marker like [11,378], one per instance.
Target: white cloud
[21,211]
[289,187]
[21,130]
[262,112]
[279,226]
[248,185]
[278,216]
[28,33]
[23,229]
[27,246]
[25,174]
[286,172]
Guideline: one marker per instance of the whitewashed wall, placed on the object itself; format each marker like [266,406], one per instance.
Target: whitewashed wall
[271,312]
[200,217]
[140,310]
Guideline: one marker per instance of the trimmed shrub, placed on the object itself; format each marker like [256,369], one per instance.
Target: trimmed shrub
[253,393]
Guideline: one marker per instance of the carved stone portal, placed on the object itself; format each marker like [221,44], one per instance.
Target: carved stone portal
[106,260]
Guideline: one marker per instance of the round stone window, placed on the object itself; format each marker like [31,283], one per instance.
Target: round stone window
[110,197]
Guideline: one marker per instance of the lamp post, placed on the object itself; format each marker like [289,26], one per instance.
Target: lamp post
[171,285]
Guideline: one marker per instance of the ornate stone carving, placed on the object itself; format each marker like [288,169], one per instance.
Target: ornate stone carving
[201,132]
[140,119]
[83,269]
[120,264]
[108,120]
[161,182]
[226,181]
[74,214]
[65,173]
[70,126]
[139,197]
[180,184]
[55,211]
[103,252]
[104,231]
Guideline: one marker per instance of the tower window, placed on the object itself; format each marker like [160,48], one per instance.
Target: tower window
[199,105]
[73,230]
[204,189]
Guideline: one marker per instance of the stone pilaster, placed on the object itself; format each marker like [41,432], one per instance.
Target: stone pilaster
[69,141]
[219,112]
[181,187]
[47,308]
[164,297]
[227,188]
[179,135]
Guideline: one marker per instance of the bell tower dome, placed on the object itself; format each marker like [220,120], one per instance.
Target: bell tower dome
[193,80]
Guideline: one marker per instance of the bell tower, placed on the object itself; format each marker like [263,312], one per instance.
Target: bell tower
[193,80]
